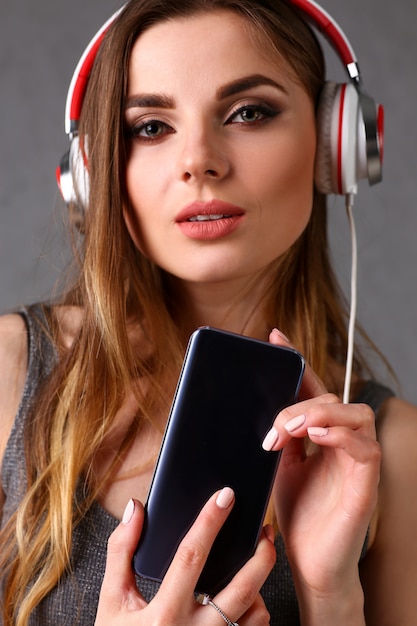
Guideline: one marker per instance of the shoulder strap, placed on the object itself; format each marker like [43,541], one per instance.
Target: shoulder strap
[42,357]
[374,394]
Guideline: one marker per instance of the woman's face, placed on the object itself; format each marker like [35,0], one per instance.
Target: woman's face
[221,150]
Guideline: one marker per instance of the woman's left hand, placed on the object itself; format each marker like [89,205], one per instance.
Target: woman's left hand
[326,487]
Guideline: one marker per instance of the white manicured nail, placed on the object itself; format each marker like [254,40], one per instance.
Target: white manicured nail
[225,498]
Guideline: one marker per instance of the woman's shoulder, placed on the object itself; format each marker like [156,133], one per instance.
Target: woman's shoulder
[389,569]
[397,427]
[397,433]
[26,340]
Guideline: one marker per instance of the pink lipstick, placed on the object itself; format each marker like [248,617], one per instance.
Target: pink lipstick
[209,220]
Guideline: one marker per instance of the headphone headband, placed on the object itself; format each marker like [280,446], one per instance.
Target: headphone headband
[333,33]
[79,80]
[320,18]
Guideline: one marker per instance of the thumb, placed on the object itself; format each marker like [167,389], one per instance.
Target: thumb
[119,586]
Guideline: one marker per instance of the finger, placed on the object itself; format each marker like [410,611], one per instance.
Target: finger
[325,411]
[241,593]
[119,580]
[292,421]
[328,413]
[311,385]
[361,448]
[256,615]
[194,549]
[362,486]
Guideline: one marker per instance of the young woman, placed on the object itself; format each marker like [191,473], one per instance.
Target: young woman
[199,133]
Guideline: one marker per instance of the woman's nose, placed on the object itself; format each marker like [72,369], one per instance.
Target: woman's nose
[203,157]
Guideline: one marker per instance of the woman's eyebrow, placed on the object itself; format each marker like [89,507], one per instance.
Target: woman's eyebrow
[149,100]
[231,89]
[248,82]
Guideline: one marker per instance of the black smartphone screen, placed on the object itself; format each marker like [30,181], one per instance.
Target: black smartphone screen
[229,391]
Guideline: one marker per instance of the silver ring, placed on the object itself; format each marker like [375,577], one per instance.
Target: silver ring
[204,599]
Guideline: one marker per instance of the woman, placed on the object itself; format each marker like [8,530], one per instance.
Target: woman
[199,129]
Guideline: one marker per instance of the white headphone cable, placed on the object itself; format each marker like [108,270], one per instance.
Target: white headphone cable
[353,298]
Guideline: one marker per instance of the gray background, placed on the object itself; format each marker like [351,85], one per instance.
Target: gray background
[40,43]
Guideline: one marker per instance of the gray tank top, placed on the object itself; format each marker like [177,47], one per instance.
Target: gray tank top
[74,600]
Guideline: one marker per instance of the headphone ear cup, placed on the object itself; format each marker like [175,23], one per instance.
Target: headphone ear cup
[72,175]
[339,125]
[324,153]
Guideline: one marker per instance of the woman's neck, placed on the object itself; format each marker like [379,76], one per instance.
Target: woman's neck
[237,307]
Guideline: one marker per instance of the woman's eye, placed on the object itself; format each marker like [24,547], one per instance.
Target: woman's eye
[152,129]
[251,114]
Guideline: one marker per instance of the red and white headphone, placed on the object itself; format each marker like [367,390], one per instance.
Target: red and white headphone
[350,123]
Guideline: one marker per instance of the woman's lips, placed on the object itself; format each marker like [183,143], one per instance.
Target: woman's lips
[209,220]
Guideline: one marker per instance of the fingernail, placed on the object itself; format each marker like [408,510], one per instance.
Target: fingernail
[128,512]
[317,431]
[281,334]
[225,498]
[295,423]
[270,439]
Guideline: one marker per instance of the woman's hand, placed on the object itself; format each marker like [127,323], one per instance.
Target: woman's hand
[121,604]
[326,490]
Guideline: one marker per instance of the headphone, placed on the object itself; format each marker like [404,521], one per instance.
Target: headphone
[350,123]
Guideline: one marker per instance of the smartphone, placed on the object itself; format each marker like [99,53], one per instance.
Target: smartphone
[229,391]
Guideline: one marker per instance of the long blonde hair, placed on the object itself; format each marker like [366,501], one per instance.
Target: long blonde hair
[119,289]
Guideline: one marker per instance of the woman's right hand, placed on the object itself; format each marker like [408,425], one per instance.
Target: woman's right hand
[121,603]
